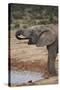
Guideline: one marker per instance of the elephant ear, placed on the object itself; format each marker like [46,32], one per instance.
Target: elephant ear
[46,38]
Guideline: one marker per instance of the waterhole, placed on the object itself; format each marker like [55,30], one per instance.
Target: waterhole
[20,77]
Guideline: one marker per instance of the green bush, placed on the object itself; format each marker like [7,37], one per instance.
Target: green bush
[17,25]
[24,26]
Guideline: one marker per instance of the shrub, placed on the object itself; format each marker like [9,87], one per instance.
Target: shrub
[17,25]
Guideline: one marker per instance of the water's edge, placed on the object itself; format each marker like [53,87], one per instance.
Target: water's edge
[19,77]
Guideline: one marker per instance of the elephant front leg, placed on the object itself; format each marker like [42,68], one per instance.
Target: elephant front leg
[52,53]
[51,65]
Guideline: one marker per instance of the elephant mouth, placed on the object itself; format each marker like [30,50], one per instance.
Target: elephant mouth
[21,37]
[30,42]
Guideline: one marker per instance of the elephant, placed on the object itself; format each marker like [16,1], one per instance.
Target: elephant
[43,35]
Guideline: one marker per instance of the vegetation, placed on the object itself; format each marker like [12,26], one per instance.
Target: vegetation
[22,15]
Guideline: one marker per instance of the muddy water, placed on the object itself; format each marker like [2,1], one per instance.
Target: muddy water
[19,77]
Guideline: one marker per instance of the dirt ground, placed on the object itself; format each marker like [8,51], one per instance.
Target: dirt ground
[27,57]
[24,56]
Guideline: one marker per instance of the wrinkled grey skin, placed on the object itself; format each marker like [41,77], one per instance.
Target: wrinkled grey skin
[43,35]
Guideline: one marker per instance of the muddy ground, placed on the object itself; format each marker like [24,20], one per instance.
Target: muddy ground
[28,57]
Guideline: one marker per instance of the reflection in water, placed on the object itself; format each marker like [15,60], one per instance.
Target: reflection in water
[24,76]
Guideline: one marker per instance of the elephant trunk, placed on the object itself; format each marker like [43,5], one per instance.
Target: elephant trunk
[18,35]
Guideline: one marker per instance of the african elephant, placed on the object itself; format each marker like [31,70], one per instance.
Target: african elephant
[43,35]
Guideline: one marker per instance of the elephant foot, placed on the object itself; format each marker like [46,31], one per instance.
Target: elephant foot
[47,75]
[53,74]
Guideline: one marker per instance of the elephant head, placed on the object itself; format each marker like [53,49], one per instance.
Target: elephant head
[42,36]
[37,35]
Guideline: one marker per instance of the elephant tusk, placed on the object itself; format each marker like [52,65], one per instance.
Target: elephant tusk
[21,37]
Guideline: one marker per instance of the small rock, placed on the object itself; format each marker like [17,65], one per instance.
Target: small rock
[30,81]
